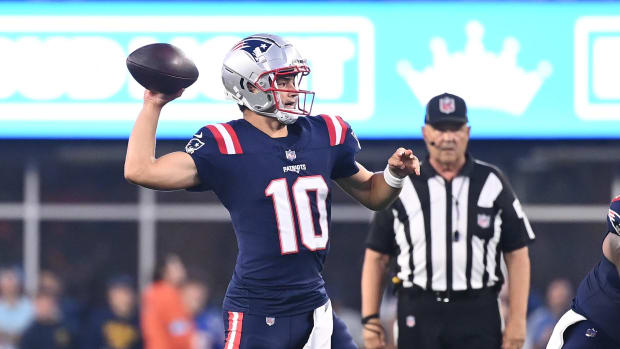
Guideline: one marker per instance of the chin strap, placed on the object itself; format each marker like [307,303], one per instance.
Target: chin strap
[282,116]
[286,118]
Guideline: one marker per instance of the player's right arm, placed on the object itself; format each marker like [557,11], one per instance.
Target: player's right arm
[172,171]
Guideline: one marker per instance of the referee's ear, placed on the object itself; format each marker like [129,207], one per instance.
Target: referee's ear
[424,132]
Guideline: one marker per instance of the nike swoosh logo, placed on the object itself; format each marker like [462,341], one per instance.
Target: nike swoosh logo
[198,135]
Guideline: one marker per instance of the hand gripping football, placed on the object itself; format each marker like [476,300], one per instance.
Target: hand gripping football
[162,68]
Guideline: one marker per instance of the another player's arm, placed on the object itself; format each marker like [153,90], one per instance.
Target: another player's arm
[172,171]
[371,189]
[373,272]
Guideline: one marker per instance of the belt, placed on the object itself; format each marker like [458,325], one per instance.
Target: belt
[449,296]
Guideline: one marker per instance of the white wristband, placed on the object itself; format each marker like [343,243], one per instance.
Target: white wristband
[392,180]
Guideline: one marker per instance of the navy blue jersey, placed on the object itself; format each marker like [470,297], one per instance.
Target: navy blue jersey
[278,193]
[598,298]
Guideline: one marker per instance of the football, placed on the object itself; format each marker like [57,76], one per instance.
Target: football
[162,68]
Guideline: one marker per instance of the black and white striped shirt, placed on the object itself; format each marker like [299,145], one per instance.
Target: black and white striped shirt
[450,235]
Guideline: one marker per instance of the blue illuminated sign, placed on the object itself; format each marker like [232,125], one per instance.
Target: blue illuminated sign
[526,70]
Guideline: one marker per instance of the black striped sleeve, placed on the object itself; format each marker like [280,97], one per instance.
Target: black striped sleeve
[516,229]
[381,237]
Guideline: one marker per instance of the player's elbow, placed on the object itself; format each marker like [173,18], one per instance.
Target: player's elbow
[379,205]
[131,176]
[375,206]
[134,174]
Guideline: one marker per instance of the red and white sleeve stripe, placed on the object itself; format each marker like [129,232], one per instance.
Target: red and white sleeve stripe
[226,138]
[337,129]
[235,325]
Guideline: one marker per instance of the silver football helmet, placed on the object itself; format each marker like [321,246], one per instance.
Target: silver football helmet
[251,70]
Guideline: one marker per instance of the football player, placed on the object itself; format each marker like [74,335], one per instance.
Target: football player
[594,318]
[272,171]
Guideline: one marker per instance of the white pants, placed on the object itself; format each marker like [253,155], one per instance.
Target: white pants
[321,335]
[557,337]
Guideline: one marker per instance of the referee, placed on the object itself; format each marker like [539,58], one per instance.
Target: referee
[448,231]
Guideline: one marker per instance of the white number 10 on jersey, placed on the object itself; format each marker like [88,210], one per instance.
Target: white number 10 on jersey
[278,190]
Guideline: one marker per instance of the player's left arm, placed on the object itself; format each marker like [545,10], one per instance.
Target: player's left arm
[516,235]
[518,265]
[371,188]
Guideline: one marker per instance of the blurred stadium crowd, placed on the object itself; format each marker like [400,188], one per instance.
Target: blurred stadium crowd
[53,319]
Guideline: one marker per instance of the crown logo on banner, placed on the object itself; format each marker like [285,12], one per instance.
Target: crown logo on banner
[485,80]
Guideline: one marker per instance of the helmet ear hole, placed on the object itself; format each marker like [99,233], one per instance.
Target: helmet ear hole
[251,87]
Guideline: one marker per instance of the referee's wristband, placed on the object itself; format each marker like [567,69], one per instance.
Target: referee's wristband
[366,319]
[392,180]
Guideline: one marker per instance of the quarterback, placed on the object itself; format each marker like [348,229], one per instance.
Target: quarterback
[594,318]
[273,171]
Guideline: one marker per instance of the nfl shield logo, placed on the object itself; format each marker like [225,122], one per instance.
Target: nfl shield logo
[270,321]
[446,105]
[484,220]
[290,155]
[410,320]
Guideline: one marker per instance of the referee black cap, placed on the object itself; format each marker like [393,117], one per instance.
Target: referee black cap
[446,108]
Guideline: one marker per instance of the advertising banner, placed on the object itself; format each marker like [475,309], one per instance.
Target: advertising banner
[526,70]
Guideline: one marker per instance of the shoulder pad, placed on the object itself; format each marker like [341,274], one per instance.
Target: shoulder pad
[337,129]
[226,138]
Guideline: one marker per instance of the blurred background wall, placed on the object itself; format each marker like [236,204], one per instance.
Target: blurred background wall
[66,207]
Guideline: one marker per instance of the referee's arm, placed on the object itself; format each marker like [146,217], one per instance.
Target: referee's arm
[517,234]
[380,244]
[518,265]
[373,272]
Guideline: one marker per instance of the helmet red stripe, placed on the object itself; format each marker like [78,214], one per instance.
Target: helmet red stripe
[218,138]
